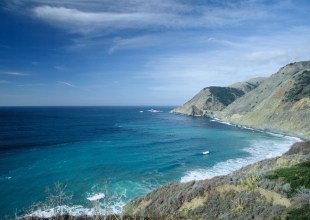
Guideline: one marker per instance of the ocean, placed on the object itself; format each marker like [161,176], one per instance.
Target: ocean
[134,149]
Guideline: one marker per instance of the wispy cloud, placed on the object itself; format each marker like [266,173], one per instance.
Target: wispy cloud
[176,40]
[14,73]
[85,22]
[187,71]
[107,15]
[32,85]
[4,82]
[60,68]
[66,84]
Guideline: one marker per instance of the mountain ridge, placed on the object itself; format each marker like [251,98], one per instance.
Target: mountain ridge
[279,103]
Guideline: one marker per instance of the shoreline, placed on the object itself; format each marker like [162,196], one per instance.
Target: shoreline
[251,158]
[244,126]
[78,210]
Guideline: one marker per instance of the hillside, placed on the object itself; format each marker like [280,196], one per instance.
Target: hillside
[280,103]
[265,190]
[248,85]
[210,99]
[215,98]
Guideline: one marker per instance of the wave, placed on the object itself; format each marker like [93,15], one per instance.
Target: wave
[154,110]
[259,150]
[96,203]
[222,122]
[79,210]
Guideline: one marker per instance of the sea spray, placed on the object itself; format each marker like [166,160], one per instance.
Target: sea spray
[259,150]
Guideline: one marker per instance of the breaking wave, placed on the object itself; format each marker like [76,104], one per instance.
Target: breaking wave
[259,150]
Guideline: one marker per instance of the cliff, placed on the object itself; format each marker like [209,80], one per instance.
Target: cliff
[210,98]
[280,103]
[268,189]
[215,98]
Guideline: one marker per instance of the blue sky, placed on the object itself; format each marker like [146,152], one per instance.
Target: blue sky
[142,52]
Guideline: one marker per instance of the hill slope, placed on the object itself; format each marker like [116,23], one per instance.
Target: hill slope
[210,98]
[248,85]
[280,103]
[215,98]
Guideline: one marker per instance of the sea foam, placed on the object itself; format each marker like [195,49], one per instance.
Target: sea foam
[78,210]
[259,150]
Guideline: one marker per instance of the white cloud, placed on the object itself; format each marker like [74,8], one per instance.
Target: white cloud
[238,60]
[176,40]
[85,22]
[108,15]
[15,73]
[4,82]
[66,84]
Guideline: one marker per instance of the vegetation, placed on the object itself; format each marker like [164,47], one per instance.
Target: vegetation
[301,87]
[301,213]
[225,95]
[297,176]
[58,200]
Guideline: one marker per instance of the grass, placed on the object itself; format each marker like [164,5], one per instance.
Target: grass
[301,87]
[297,176]
[299,213]
[225,95]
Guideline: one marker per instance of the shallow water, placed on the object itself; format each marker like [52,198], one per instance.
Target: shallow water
[136,149]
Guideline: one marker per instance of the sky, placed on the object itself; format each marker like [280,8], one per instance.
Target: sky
[142,52]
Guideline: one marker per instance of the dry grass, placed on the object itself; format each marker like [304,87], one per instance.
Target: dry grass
[273,197]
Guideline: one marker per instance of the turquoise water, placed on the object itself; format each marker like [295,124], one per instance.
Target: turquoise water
[136,149]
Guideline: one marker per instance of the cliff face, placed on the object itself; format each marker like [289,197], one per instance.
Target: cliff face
[279,103]
[266,190]
[209,99]
[215,98]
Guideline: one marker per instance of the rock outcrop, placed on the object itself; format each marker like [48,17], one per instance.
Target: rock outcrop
[215,98]
[280,103]
[209,99]
[265,190]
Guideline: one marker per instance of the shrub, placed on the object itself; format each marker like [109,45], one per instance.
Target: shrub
[297,176]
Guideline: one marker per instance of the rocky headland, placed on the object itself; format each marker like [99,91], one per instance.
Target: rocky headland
[280,103]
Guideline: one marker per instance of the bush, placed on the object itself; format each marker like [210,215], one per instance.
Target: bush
[297,176]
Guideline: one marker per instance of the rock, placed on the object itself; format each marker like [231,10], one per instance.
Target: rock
[299,148]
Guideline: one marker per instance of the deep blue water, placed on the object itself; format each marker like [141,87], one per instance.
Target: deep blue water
[137,151]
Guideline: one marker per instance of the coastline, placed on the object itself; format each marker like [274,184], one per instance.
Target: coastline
[242,162]
[283,134]
[75,210]
[248,193]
